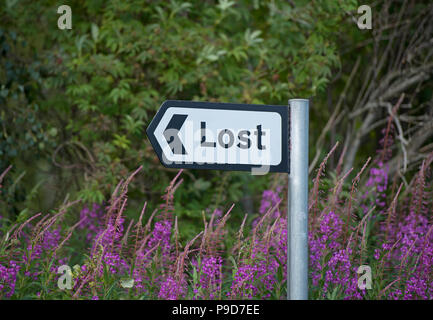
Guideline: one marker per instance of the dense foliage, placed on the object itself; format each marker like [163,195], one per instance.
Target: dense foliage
[88,93]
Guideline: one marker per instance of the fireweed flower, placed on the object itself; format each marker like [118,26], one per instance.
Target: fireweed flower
[254,279]
[161,236]
[91,217]
[109,240]
[376,187]
[402,256]
[330,261]
[36,252]
[158,244]
[171,289]
[139,273]
[50,240]
[269,199]
[105,254]
[31,259]
[256,275]
[416,246]
[210,277]
[8,278]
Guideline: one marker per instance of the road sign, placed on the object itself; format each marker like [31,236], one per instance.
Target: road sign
[221,136]
[226,136]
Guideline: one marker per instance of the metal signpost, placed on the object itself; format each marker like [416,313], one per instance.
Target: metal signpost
[297,227]
[245,137]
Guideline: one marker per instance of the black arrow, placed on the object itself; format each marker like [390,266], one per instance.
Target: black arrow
[171,133]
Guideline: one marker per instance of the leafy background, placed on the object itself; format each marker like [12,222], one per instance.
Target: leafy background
[83,97]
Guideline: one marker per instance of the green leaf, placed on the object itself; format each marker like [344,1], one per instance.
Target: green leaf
[94,32]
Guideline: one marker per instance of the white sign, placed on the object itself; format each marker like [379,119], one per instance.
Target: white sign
[205,135]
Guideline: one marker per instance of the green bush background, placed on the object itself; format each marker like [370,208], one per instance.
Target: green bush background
[75,103]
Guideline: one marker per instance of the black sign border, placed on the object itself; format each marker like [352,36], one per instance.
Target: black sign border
[283,166]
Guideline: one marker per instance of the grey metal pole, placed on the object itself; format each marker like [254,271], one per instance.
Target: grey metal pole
[297,256]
